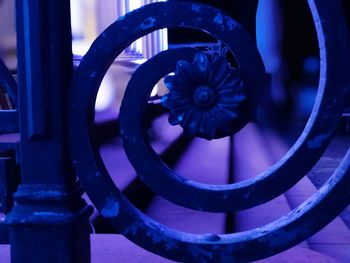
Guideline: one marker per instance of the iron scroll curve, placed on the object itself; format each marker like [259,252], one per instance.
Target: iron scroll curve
[333,88]
[268,240]
[8,118]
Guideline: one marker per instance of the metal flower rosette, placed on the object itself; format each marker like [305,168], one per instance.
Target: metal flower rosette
[206,97]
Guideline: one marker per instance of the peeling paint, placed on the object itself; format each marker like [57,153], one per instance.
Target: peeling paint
[231,24]
[159,238]
[48,193]
[195,8]
[201,255]
[111,208]
[45,213]
[219,19]
[148,23]
[132,229]
[180,117]
[212,237]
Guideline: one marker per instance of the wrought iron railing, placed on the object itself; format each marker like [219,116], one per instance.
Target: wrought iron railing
[56,117]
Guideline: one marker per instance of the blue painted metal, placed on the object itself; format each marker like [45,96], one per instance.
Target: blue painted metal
[333,88]
[9,153]
[48,203]
[35,64]
[9,179]
[206,97]
[277,236]
[8,118]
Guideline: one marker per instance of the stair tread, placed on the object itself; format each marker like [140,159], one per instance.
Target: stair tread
[110,248]
[251,158]
[334,239]
[204,162]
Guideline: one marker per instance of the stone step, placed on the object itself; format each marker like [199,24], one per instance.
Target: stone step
[251,159]
[116,248]
[111,248]
[205,162]
[329,245]
[334,239]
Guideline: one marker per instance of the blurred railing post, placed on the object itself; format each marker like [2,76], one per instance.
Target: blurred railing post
[49,222]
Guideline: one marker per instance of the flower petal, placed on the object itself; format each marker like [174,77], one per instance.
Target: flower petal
[232,99]
[175,102]
[231,111]
[202,65]
[219,71]
[183,84]
[231,82]
[177,116]
[208,128]
[169,82]
[192,121]
[186,72]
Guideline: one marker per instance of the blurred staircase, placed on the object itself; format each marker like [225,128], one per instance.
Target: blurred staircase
[210,162]
[214,162]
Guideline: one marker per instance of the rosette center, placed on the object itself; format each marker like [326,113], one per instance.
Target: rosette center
[204,96]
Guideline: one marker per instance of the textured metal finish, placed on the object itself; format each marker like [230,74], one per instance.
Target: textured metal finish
[206,97]
[270,239]
[333,88]
[8,183]
[48,204]
[8,118]
[9,153]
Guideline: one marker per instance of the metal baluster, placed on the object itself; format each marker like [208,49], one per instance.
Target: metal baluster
[49,222]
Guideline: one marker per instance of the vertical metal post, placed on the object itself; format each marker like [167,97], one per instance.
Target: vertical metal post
[49,222]
[230,216]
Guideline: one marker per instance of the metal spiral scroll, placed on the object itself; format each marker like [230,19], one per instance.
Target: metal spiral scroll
[270,239]
[8,118]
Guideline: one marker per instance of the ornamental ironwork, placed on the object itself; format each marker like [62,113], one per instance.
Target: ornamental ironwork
[142,230]
[206,97]
[56,128]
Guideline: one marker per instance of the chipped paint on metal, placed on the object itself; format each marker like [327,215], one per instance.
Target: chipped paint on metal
[219,19]
[111,208]
[197,248]
[121,18]
[132,229]
[195,8]
[200,254]
[231,24]
[148,23]
[212,237]
[47,193]
[45,214]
